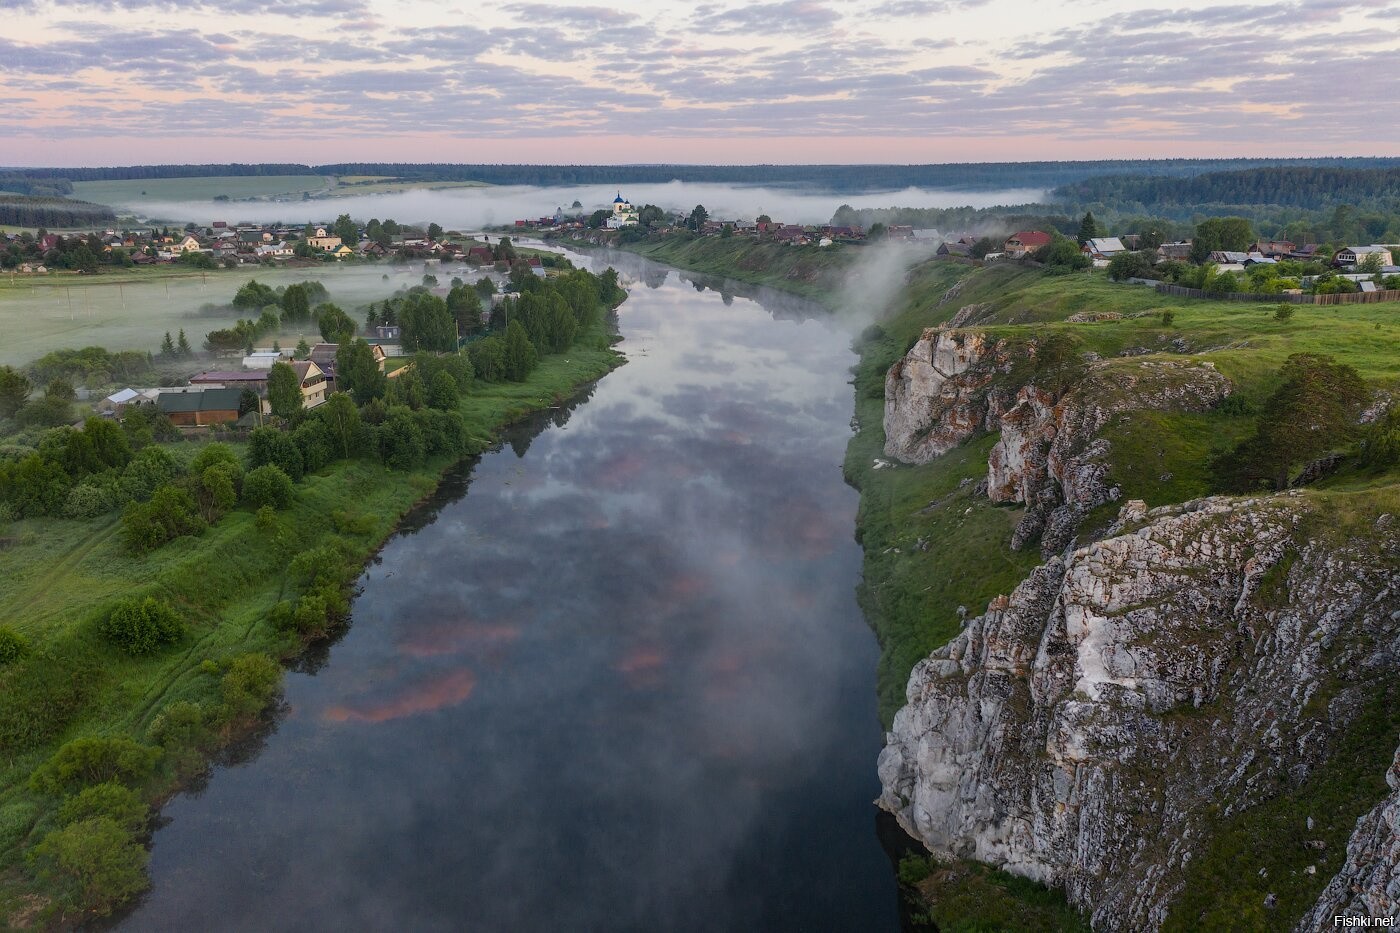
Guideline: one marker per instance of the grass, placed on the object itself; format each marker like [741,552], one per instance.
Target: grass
[967,897]
[58,577]
[134,192]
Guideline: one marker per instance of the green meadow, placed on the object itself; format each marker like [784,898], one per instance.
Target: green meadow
[134,192]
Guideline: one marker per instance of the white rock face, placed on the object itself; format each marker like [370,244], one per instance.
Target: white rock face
[934,396]
[1049,455]
[1078,732]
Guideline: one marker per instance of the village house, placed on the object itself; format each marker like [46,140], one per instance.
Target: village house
[1228,257]
[1179,251]
[213,405]
[322,241]
[1105,247]
[1027,241]
[1273,249]
[313,382]
[233,379]
[1355,255]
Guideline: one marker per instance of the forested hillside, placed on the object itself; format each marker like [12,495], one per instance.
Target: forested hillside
[1311,187]
[21,211]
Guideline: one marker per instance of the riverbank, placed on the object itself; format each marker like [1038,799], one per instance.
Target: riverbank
[59,579]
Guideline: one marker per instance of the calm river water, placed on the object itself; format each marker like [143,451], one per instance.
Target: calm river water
[612,678]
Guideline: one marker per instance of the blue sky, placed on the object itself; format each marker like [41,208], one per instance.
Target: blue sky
[114,81]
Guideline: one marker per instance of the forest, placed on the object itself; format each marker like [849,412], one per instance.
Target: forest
[1310,187]
[831,178]
[21,211]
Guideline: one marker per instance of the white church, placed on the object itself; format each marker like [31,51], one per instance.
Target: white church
[623,213]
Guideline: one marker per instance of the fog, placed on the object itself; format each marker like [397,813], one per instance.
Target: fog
[470,208]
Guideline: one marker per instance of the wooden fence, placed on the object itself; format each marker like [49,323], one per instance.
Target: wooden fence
[1349,298]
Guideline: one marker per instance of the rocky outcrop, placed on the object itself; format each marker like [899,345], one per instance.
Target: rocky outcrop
[935,396]
[1081,729]
[1050,456]
[1369,883]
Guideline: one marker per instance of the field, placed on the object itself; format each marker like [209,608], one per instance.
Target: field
[132,192]
[132,310]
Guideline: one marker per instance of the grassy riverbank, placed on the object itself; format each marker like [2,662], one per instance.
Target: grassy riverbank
[60,578]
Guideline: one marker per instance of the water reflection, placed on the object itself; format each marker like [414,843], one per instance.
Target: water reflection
[622,684]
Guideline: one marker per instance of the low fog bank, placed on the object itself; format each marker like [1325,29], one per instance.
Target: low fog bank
[470,208]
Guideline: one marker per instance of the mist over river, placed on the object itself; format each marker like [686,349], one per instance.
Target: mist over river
[613,677]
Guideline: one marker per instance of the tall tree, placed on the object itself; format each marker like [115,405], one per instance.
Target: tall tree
[1314,410]
[520,354]
[335,325]
[182,346]
[347,230]
[167,347]
[358,373]
[296,306]
[1088,229]
[283,390]
[14,390]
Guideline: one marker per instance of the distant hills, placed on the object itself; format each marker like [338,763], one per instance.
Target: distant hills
[837,179]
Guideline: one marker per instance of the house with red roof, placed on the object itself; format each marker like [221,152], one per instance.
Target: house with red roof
[1027,241]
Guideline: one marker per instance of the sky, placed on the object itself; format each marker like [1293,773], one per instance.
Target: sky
[103,82]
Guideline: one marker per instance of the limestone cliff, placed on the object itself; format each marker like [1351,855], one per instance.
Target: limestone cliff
[1050,455]
[936,396]
[1197,657]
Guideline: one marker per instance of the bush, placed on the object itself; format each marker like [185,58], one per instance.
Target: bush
[40,695]
[1167,318]
[87,500]
[99,858]
[150,469]
[94,760]
[266,519]
[1379,448]
[1284,312]
[215,454]
[250,684]
[12,645]
[267,487]
[142,626]
[181,723]
[111,801]
[271,446]
[169,514]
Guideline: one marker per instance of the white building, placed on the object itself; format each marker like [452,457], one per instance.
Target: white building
[623,213]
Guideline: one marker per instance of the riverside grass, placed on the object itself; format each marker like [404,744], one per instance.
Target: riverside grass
[932,549]
[59,577]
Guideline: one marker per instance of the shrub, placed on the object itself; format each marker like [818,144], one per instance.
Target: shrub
[250,684]
[216,491]
[1379,448]
[181,723]
[266,518]
[100,858]
[169,514]
[87,500]
[215,454]
[142,626]
[1167,318]
[110,800]
[150,469]
[1284,312]
[271,446]
[267,487]
[12,645]
[94,760]
[40,694]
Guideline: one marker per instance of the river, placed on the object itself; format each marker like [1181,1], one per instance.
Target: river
[613,677]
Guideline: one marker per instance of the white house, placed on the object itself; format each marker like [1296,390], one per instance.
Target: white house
[1355,255]
[1104,247]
